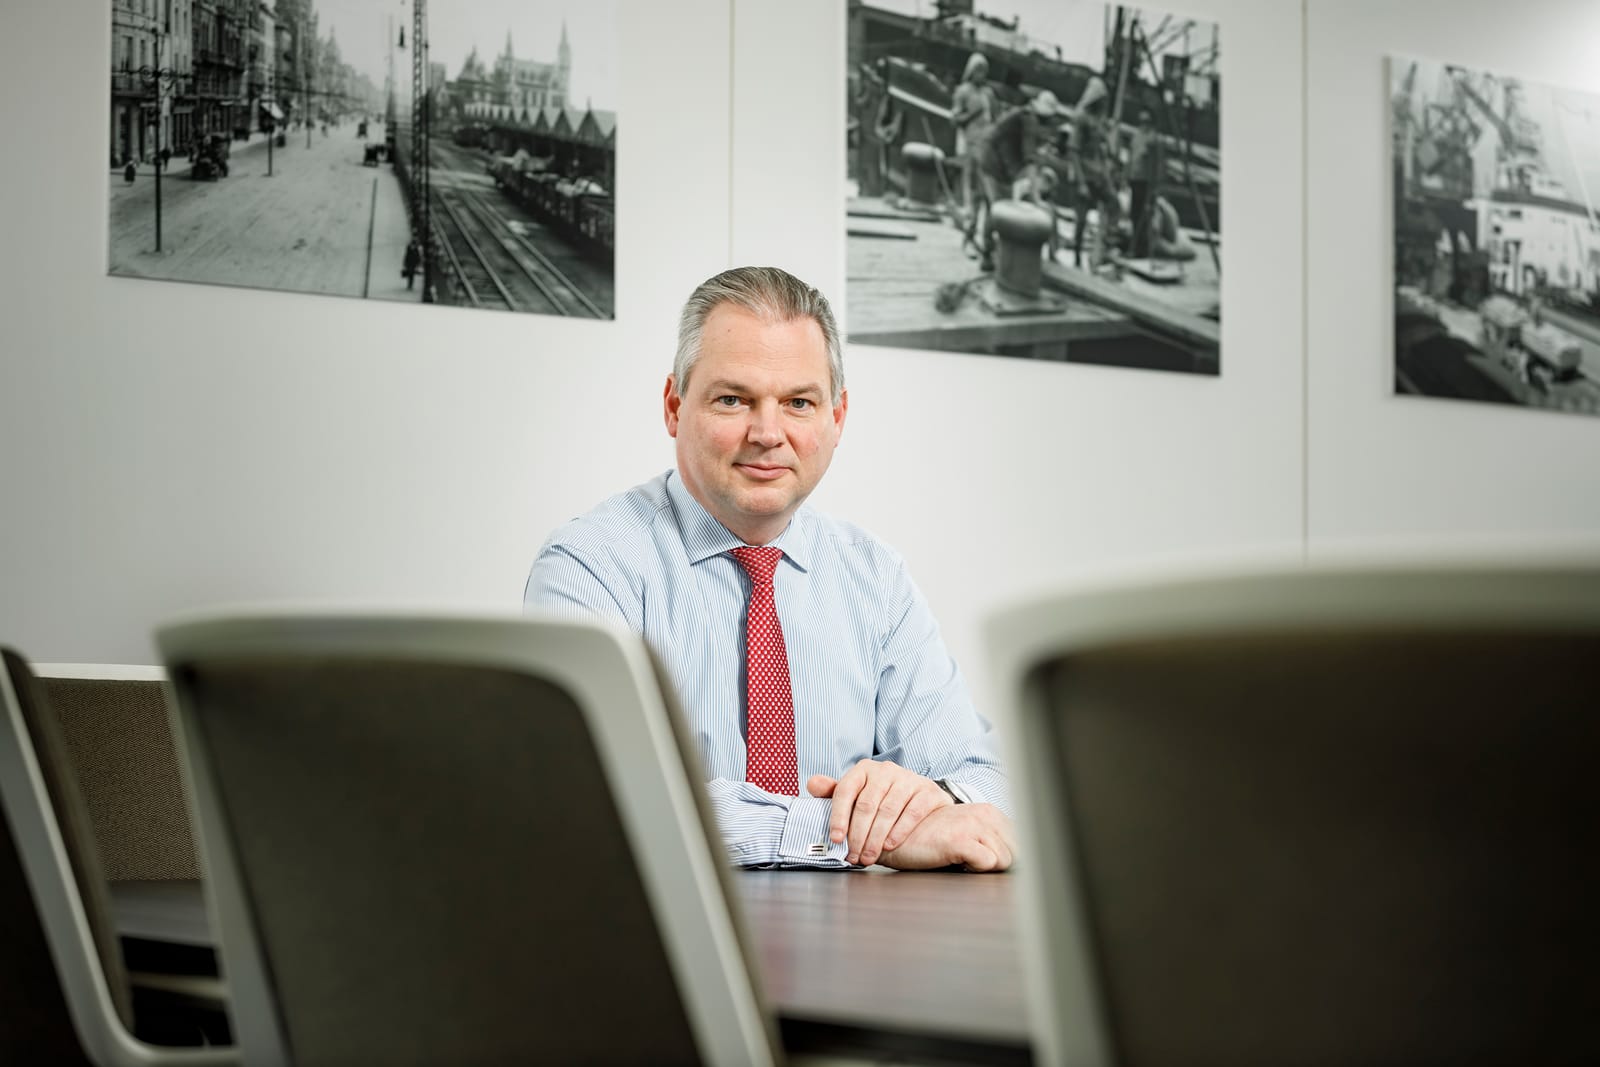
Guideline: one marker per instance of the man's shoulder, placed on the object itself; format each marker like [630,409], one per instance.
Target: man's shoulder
[618,521]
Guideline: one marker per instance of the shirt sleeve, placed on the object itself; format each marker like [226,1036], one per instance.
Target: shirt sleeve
[761,829]
[925,719]
[566,583]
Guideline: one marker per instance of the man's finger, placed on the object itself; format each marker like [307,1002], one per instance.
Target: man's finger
[918,808]
[844,798]
[890,812]
[980,857]
[865,809]
[820,785]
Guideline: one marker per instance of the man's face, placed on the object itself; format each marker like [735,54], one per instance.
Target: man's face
[755,427]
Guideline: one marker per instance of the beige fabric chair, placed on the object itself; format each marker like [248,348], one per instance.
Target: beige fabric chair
[457,841]
[54,897]
[1316,817]
[114,723]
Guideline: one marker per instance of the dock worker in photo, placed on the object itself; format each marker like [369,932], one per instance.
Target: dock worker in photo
[834,728]
[1146,164]
[972,110]
[1009,154]
[1094,158]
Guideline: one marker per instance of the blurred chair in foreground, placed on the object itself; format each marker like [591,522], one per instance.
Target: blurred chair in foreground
[65,992]
[457,841]
[1311,817]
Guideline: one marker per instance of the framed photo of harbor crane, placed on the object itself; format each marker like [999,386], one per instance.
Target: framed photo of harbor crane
[1496,237]
[1043,185]
[439,151]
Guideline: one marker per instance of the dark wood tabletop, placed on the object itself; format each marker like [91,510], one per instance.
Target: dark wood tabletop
[923,965]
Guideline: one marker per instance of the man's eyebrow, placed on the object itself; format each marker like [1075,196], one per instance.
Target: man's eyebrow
[723,386]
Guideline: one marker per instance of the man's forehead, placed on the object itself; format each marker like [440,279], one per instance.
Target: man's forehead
[749,349]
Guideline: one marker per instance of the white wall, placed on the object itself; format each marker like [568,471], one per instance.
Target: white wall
[166,447]
[1435,475]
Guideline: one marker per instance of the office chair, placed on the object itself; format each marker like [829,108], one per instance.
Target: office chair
[457,841]
[66,994]
[1318,817]
[113,731]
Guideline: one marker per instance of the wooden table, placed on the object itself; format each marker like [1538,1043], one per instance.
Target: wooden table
[920,965]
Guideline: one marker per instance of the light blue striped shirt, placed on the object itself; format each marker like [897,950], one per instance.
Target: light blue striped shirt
[870,676]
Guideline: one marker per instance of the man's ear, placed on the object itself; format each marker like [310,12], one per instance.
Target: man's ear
[670,402]
[840,410]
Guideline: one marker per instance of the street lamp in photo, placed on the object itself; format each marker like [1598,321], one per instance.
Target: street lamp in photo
[160,81]
[421,149]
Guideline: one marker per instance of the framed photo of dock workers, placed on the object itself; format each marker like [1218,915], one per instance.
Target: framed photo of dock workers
[419,151]
[1496,237]
[1039,179]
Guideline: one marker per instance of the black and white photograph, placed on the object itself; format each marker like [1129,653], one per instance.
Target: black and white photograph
[455,152]
[1036,178]
[1496,239]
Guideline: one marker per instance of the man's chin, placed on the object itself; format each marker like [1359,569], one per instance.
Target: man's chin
[765,501]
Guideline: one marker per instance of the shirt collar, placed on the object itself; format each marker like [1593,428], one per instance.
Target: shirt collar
[704,537]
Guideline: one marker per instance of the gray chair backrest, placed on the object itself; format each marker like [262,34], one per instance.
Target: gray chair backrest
[1343,817]
[53,895]
[463,841]
[114,723]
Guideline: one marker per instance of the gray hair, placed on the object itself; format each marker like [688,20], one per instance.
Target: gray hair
[770,292]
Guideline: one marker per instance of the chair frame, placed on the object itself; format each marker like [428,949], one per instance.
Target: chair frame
[1066,1003]
[61,910]
[608,672]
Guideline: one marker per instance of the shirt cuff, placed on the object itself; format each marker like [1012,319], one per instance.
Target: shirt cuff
[805,833]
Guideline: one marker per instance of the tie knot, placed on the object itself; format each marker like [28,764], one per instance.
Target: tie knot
[758,563]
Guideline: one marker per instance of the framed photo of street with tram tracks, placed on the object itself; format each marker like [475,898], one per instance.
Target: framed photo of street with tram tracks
[439,151]
[1496,237]
[1042,185]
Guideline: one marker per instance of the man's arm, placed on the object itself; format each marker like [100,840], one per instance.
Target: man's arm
[759,829]
[927,731]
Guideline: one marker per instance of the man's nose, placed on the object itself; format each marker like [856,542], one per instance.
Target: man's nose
[766,425]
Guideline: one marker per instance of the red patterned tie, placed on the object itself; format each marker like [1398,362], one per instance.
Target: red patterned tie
[769,707]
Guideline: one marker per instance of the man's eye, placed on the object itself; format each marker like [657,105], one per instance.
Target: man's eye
[727,401]
[800,403]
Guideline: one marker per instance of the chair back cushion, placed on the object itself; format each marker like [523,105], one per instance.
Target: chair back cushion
[1349,845]
[435,865]
[119,739]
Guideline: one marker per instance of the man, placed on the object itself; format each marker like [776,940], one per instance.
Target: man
[1146,164]
[1009,152]
[799,646]
[1094,157]
[972,110]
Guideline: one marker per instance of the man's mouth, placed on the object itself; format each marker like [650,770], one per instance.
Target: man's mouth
[761,471]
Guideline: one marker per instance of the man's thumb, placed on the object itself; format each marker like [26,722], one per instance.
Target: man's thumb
[820,785]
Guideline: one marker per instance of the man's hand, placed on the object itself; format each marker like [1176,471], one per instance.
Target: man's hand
[977,836]
[877,805]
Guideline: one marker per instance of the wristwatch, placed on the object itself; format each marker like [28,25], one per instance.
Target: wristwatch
[942,784]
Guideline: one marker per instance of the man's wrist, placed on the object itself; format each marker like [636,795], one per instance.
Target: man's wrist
[954,796]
